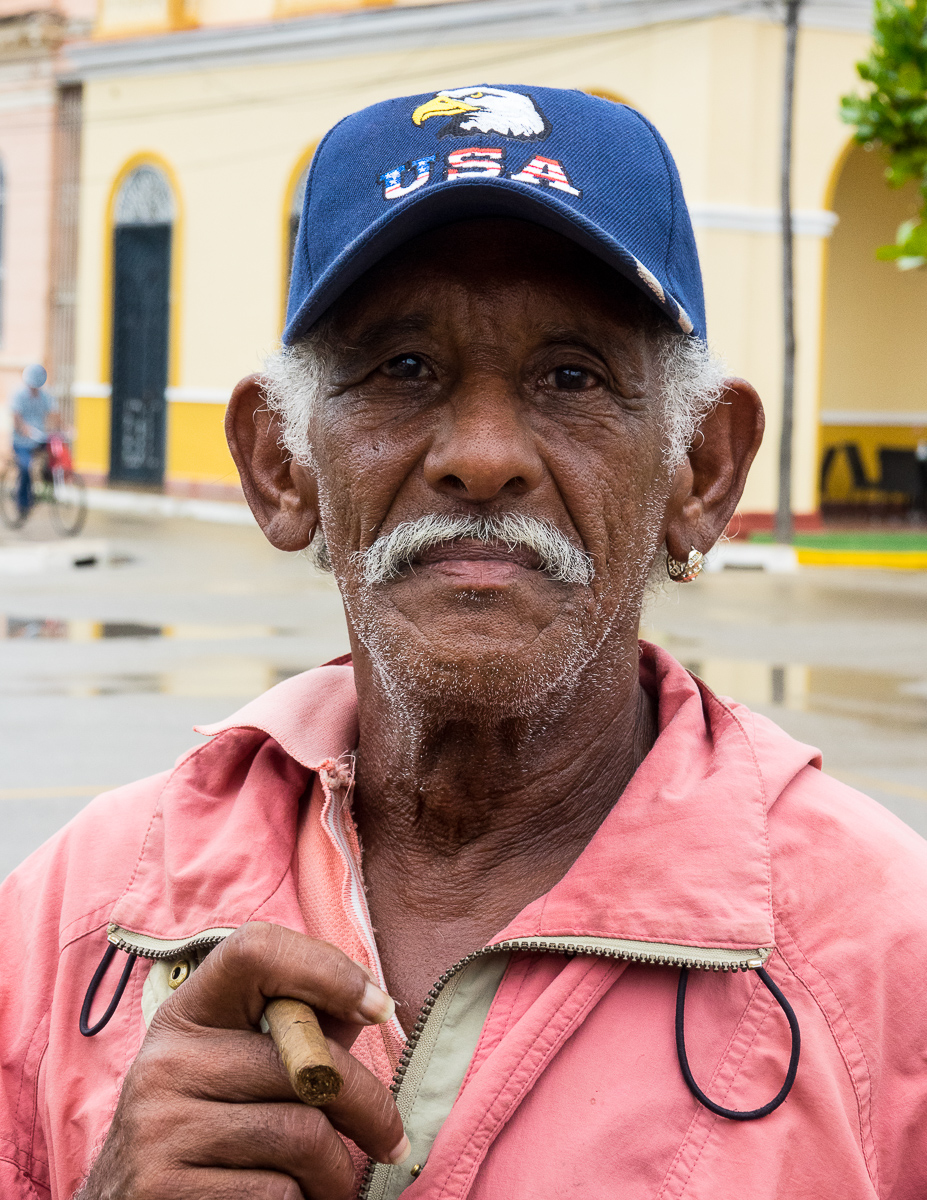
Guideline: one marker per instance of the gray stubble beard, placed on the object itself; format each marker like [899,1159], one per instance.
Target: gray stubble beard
[421,691]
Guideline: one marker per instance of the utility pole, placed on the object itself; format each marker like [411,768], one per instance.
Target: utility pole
[784,522]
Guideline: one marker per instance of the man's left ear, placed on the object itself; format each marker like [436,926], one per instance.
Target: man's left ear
[282,494]
[710,482]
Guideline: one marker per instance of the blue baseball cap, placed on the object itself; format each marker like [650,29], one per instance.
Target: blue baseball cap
[593,170]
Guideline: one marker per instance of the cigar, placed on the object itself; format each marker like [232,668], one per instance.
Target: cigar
[304,1051]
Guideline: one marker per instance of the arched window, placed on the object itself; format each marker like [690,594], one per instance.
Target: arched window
[143,228]
[145,198]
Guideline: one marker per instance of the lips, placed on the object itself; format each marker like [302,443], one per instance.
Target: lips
[470,551]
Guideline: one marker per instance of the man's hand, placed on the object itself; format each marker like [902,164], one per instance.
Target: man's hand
[207,1109]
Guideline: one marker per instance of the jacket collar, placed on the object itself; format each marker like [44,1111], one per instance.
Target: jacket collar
[682,858]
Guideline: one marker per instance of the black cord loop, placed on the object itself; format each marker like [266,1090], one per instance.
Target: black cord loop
[91,1030]
[733,1114]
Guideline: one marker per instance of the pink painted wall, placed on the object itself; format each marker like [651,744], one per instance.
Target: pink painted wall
[26,148]
[27,140]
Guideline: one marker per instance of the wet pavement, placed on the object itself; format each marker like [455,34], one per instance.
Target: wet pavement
[105,668]
[836,657]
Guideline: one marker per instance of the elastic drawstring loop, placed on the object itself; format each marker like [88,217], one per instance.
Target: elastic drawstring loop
[733,1114]
[91,1030]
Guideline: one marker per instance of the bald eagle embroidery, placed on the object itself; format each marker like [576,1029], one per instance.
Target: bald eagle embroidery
[485,110]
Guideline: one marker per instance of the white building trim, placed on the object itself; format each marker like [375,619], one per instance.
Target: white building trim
[176,395]
[100,391]
[373,30]
[873,417]
[744,218]
[40,97]
[198,395]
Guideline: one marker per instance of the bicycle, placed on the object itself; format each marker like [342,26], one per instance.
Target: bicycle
[54,482]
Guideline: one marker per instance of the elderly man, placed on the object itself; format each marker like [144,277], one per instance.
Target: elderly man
[574,926]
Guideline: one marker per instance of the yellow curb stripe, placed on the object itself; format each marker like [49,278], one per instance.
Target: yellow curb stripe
[894,560]
[50,793]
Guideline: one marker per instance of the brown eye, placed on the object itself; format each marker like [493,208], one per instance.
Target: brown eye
[571,379]
[405,366]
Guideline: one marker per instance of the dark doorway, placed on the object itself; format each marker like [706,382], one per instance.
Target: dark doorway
[141,327]
[141,303]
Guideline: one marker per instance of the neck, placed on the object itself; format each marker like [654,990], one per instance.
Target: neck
[452,798]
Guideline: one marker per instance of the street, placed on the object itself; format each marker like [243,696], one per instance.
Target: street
[107,667]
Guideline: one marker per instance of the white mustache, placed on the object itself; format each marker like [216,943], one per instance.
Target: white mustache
[560,559]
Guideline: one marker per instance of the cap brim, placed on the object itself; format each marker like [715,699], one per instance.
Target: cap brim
[462,200]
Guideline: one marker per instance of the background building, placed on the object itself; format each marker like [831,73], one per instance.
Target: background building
[200,120]
[39,156]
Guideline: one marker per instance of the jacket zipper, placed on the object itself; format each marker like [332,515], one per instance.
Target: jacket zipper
[655,954]
[146,946]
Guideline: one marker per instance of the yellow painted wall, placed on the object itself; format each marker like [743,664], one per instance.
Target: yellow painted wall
[228,12]
[122,18]
[875,343]
[92,431]
[196,446]
[126,17]
[232,137]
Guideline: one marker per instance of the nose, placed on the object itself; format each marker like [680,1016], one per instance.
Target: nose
[484,448]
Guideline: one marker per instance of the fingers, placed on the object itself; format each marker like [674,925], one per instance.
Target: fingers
[365,1110]
[289,1138]
[190,1184]
[259,961]
[225,1064]
[235,1067]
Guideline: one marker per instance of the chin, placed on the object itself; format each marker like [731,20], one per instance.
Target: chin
[485,679]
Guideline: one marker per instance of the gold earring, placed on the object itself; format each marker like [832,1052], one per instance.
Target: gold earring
[685,572]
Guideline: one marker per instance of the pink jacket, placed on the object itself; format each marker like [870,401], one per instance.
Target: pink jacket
[729,847]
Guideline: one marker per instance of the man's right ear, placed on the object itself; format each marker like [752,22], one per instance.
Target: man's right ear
[282,493]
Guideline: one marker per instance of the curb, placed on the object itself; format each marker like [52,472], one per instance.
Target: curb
[752,556]
[27,558]
[891,560]
[144,504]
[781,560]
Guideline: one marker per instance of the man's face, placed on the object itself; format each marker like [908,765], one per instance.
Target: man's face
[491,367]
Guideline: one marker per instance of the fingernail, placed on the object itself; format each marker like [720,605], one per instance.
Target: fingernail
[376,1006]
[400,1152]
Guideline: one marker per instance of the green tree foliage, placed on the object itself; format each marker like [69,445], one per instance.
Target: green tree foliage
[893,115]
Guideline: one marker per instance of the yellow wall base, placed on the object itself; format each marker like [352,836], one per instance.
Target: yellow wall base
[196,447]
[91,434]
[197,451]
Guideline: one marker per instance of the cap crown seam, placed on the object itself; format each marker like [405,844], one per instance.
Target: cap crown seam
[664,157]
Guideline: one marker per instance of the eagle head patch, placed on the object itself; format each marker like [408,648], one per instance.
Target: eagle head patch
[485,110]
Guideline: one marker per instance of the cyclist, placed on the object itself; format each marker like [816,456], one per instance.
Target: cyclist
[35,416]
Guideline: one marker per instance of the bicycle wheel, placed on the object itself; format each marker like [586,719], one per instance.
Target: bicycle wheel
[68,503]
[10,515]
